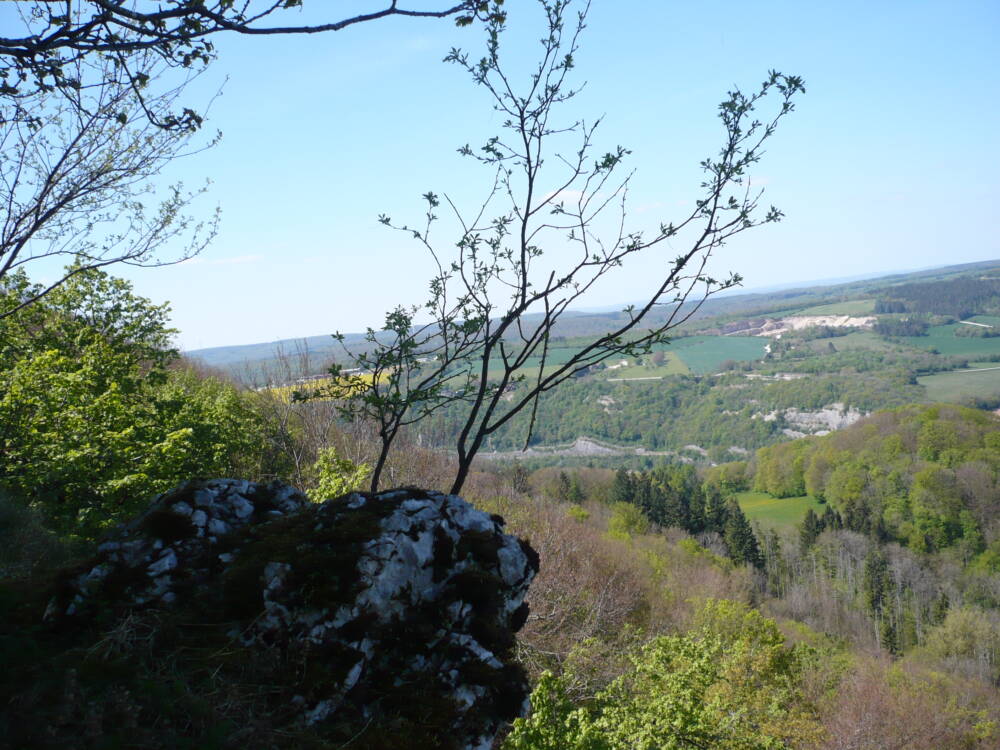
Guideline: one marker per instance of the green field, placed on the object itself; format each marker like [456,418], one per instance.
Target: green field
[849,307]
[556,355]
[776,511]
[704,354]
[672,365]
[943,339]
[853,341]
[958,385]
[689,354]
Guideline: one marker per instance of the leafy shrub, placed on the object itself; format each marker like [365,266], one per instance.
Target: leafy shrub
[93,420]
[336,476]
[729,683]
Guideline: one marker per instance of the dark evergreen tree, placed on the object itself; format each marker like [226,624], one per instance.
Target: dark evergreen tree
[830,519]
[774,563]
[673,507]
[563,486]
[940,610]
[877,528]
[647,499]
[739,537]
[623,488]
[888,635]
[876,583]
[714,509]
[809,529]
[696,509]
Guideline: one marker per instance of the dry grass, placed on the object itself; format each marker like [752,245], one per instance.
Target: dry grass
[596,597]
[886,706]
[26,546]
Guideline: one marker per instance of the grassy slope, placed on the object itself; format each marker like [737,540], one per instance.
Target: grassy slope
[847,307]
[854,341]
[774,511]
[960,384]
[704,354]
[943,339]
[672,365]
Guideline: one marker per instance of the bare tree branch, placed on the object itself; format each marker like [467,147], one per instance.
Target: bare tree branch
[76,167]
[501,249]
[178,31]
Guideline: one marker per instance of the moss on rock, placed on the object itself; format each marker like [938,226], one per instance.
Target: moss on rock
[233,613]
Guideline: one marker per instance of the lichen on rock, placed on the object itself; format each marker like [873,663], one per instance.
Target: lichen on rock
[390,615]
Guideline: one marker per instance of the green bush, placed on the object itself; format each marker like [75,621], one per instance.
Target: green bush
[93,420]
[336,476]
[730,683]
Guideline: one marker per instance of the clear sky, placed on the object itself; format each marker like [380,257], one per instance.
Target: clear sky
[890,162]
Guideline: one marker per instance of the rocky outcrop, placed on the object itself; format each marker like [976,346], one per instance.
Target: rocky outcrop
[389,618]
[778,326]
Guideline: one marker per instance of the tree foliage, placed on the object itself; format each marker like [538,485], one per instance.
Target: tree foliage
[176,32]
[537,201]
[729,683]
[95,414]
[959,298]
[336,475]
[924,476]
[673,495]
[77,165]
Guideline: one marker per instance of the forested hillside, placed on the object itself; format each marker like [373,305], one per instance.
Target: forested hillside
[910,522]
[806,363]
[959,298]
[491,519]
[655,589]
[923,476]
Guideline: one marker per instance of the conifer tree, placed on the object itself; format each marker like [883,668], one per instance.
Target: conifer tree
[809,530]
[888,635]
[673,505]
[940,610]
[647,499]
[831,519]
[623,488]
[739,537]
[714,510]
[876,582]
[563,490]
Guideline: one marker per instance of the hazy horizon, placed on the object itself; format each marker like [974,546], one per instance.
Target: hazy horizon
[804,284]
[888,161]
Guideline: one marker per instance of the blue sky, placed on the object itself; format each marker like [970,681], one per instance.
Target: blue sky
[890,161]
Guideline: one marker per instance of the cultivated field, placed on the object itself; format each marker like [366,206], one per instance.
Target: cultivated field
[704,354]
[944,340]
[775,512]
[849,307]
[699,355]
[865,340]
[982,379]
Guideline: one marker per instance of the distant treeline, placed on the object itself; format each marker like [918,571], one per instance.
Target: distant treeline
[900,327]
[925,477]
[960,298]
[673,495]
[976,332]
[714,412]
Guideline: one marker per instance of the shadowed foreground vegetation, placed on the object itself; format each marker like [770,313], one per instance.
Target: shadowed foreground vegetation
[874,612]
